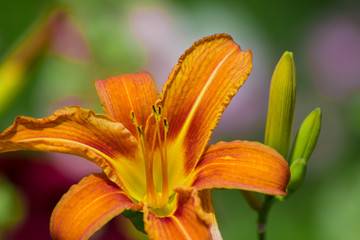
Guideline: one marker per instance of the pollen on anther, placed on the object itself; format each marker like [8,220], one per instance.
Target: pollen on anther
[166,126]
[132,116]
[154,109]
[139,130]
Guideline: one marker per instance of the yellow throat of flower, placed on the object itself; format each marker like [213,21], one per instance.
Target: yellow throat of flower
[157,192]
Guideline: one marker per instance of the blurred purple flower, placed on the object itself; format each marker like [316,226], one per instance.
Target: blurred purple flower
[334,55]
[68,40]
[42,186]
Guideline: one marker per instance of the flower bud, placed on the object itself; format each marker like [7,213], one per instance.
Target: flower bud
[281,105]
[252,199]
[298,173]
[306,137]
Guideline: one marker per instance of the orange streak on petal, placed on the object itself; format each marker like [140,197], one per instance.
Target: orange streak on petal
[243,165]
[87,206]
[123,94]
[200,87]
[74,131]
[188,221]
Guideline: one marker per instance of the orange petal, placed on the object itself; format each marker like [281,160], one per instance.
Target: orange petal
[244,165]
[200,87]
[87,206]
[132,92]
[188,221]
[75,131]
[207,206]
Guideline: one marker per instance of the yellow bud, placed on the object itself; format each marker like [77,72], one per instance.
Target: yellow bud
[281,105]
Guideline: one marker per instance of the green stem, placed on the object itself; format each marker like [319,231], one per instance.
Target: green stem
[262,217]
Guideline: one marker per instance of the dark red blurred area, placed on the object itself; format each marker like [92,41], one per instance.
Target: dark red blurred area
[42,186]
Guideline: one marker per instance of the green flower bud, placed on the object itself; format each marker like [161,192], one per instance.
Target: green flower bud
[281,105]
[252,199]
[306,137]
[298,173]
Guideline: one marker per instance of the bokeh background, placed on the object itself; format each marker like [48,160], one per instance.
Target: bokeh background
[51,51]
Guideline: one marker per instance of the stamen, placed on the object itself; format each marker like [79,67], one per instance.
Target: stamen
[150,186]
[152,196]
[164,170]
[163,154]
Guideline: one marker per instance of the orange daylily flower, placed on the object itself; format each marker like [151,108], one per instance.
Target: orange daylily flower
[153,147]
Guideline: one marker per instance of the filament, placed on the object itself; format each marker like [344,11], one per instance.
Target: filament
[150,187]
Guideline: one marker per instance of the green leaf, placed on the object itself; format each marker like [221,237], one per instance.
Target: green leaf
[137,218]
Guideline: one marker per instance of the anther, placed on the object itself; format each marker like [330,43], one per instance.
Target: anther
[139,130]
[166,127]
[132,116]
[154,110]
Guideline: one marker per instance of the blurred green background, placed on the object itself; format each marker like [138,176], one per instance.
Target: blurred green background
[99,39]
